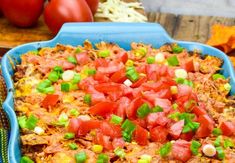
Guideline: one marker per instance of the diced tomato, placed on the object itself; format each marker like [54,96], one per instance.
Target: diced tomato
[176,129]
[112,130]
[141,68]
[50,100]
[122,56]
[156,86]
[114,96]
[188,65]
[123,104]
[134,105]
[104,141]
[96,96]
[119,76]
[118,142]
[101,78]
[86,126]
[139,82]
[103,108]
[74,124]
[228,128]
[108,87]
[203,131]
[181,150]
[164,103]
[162,70]
[100,62]
[67,65]
[187,136]
[199,111]
[151,72]
[85,83]
[205,120]
[154,119]
[184,90]
[140,122]
[141,135]
[112,68]
[159,134]
[82,58]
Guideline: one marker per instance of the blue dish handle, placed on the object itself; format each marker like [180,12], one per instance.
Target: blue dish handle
[123,32]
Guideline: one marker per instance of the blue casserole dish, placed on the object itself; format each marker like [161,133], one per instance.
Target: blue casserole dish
[74,34]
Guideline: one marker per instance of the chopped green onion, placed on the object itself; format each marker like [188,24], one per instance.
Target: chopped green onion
[116,119]
[31,122]
[35,52]
[58,69]
[26,159]
[146,157]
[78,50]
[218,76]
[179,80]
[120,152]
[128,128]
[173,61]
[76,79]
[143,110]
[104,53]
[49,90]
[69,135]
[63,119]
[165,149]
[132,74]
[53,76]
[186,129]
[227,87]
[22,121]
[74,112]
[72,59]
[97,148]
[228,143]
[217,131]
[43,84]
[129,63]
[140,52]
[73,146]
[65,87]
[177,49]
[87,99]
[175,106]
[195,145]
[73,87]
[90,72]
[174,115]
[157,109]
[220,153]
[217,141]
[150,60]
[102,158]
[184,81]
[80,157]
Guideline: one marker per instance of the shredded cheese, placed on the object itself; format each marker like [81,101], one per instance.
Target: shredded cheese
[119,11]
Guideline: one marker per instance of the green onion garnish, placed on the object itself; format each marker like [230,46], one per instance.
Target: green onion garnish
[228,143]
[73,146]
[69,135]
[102,158]
[217,141]
[220,153]
[53,76]
[104,53]
[217,131]
[120,152]
[76,79]
[58,69]
[74,112]
[80,157]
[87,99]
[65,87]
[43,84]
[132,74]
[218,76]
[116,119]
[165,149]
[175,106]
[173,61]
[31,122]
[26,159]
[157,109]
[150,60]
[72,59]
[128,128]
[177,49]
[195,145]
[49,90]
[90,72]
[143,110]
[78,50]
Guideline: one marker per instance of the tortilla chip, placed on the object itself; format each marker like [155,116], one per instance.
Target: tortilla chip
[222,37]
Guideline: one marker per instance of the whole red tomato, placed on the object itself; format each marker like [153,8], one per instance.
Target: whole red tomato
[58,12]
[22,13]
[93,4]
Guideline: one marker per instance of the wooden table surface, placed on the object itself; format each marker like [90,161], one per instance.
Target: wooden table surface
[181,27]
